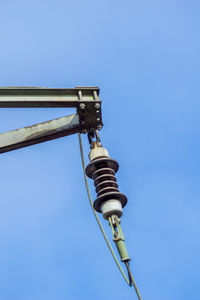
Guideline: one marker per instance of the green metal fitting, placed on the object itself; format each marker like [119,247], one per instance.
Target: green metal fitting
[118,238]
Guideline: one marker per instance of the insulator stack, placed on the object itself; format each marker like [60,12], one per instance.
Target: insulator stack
[102,170]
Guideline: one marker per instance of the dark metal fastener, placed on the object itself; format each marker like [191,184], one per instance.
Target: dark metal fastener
[97,106]
[82,106]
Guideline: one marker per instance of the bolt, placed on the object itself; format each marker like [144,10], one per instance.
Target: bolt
[97,111]
[98,119]
[97,106]
[82,106]
[99,127]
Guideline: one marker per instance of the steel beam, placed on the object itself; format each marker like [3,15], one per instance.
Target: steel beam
[47,97]
[39,133]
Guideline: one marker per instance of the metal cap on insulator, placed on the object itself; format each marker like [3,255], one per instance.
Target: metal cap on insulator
[110,208]
[97,152]
[102,170]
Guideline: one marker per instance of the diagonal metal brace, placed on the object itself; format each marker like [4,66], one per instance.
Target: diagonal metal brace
[39,133]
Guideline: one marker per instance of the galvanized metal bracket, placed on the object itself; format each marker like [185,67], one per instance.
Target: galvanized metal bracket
[87,119]
[89,112]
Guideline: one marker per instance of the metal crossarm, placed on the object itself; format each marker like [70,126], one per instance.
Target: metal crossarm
[47,97]
[87,119]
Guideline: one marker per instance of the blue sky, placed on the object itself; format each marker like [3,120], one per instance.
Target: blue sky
[144,55]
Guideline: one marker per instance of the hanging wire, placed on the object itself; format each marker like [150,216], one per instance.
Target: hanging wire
[129,280]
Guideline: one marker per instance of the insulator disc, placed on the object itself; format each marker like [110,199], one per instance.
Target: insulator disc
[104,178]
[104,184]
[103,171]
[108,196]
[100,163]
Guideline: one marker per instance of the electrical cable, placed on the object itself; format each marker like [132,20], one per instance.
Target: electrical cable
[129,280]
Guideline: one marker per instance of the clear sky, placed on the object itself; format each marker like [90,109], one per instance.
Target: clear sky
[144,56]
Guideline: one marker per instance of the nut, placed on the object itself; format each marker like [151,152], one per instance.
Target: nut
[97,106]
[99,127]
[82,106]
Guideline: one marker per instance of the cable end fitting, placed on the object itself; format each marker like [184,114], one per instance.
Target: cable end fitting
[118,238]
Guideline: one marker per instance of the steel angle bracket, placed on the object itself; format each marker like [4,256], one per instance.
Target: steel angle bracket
[87,119]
